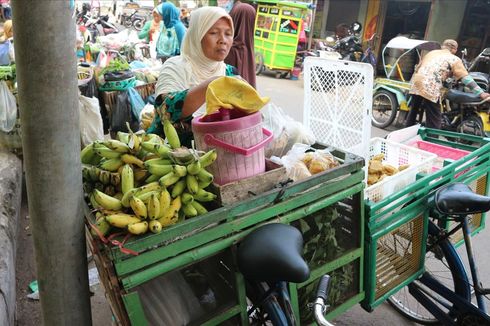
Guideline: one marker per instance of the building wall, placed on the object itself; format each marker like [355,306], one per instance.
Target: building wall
[445,20]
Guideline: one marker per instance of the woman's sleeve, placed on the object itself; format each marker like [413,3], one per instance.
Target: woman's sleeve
[144,33]
[180,30]
[172,104]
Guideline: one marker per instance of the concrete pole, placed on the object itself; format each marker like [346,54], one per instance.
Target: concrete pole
[312,24]
[44,33]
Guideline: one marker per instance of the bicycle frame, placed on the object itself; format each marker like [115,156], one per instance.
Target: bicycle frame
[461,305]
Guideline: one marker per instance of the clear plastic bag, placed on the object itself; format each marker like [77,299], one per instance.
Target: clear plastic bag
[8,108]
[302,161]
[286,131]
[91,126]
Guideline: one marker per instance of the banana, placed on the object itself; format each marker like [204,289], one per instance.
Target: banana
[205,176]
[146,196]
[110,190]
[87,155]
[204,196]
[134,142]
[154,207]
[203,184]
[187,198]
[155,226]
[111,164]
[93,202]
[102,226]
[103,151]
[154,186]
[189,210]
[192,184]
[94,173]
[115,179]
[157,148]
[119,195]
[121,220]
[140,174]
[168,217]
[160,170]
[139,207]
[157,161]
[104,176]
[208,158]
[123,137]
[86,175]
[201,210]
[116,145]
[138,228]
[180,170]
[152,178]
[127,178]
[165,201]
[178,188]
[153,138]
[127,197]
[169,179]
[171,134]
[131,159]
[106,201]
[194,168]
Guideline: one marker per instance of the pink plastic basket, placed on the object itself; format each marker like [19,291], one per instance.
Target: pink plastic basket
[442,152]
[239,140]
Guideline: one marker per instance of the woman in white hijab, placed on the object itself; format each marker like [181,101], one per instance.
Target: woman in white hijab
[183,80]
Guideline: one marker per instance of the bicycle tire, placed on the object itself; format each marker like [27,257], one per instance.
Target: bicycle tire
[383,114]
[408,307]
[270,310]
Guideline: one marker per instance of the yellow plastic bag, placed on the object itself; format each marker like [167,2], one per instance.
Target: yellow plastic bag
[233,93]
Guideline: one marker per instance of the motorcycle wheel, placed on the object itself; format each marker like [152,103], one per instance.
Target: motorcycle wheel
[127,22]
[138,24]
[471,125]
[385,107]
[259,63]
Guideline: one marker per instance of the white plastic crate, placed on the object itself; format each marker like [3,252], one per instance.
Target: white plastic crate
[397,154]
[337,103]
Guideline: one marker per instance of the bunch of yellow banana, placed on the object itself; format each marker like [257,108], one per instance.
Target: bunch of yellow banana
[141,182]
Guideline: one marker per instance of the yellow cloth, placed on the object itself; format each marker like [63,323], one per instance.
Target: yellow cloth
[233,93]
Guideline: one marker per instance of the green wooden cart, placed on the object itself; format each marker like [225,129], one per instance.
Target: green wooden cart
[277,30]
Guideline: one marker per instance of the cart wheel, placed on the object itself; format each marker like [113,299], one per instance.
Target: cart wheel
[385,107]
[259,63]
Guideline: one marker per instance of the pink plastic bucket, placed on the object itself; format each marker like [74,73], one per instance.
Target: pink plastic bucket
[239,140]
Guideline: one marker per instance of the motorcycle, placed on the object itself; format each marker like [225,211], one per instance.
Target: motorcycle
[134,19]
[100,26]
[350,47]
[479,68]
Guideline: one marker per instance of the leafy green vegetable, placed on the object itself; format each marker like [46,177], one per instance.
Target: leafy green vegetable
[117,64]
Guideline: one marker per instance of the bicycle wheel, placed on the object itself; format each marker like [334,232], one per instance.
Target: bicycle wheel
[270,312]
[444,264]
[385,107]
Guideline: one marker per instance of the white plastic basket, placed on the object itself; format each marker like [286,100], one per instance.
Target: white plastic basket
[337,103]
[397,154]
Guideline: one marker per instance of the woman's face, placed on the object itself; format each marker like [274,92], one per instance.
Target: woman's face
[217,41]
[156,17]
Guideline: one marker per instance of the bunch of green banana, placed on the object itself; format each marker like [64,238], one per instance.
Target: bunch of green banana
[142,183]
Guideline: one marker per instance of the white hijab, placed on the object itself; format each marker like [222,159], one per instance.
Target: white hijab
[192,67]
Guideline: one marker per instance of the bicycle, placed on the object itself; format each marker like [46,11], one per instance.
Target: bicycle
[445,296]
[267,273]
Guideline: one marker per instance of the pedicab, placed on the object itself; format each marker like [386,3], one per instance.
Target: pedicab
[278,27]
[391,92]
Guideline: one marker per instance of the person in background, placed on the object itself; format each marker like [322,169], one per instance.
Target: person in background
[241,54]
[6,9]
[427,82]
[173,28]
[151,27]
[183,80]
[6,44]
[184,17]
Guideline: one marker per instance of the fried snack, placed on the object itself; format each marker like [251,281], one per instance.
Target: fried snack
[403,167]
[307,158]
[375,166]
[378,157]
[389,169]
[372,178]
[318,165]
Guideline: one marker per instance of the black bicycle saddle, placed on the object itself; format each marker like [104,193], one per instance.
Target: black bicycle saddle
[459,199]
[462,97]
[272,253]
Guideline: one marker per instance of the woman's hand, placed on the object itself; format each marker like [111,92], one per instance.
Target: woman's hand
[196,97]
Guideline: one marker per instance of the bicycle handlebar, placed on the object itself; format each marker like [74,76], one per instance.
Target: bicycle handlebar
[319,306]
